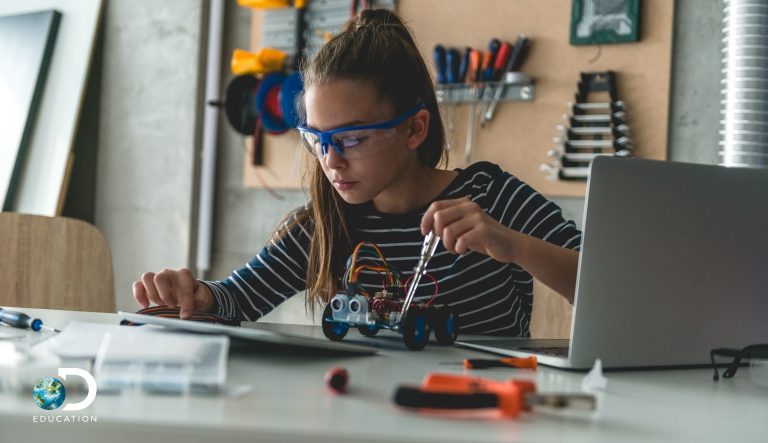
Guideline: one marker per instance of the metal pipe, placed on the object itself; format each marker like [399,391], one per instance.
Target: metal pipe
[210,135]
[744,90]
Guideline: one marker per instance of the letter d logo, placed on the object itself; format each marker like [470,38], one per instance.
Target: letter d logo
[89,380]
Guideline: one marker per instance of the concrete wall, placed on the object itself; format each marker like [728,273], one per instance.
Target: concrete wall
[147,132]
[148,125]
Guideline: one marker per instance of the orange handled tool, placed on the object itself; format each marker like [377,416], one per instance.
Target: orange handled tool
[450,391]
[508,362]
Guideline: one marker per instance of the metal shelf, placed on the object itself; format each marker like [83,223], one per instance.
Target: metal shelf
[516,87]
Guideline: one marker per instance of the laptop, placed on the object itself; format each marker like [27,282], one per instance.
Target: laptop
[674,263]
[263,337]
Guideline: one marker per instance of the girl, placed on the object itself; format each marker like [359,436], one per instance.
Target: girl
[373,124]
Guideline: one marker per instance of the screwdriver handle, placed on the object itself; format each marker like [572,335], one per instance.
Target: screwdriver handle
[510,362]
[484,75]
[518,53]
[502,59]
[464,65]
[493,50]
[20,320]
[474,66]
[452,59]
[440,64]
[411,397]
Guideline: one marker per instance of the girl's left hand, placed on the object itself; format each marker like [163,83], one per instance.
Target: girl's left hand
[463,226]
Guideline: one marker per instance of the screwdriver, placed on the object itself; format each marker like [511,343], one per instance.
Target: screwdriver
[22,321]
[508,362]
[441,64]
[453,62]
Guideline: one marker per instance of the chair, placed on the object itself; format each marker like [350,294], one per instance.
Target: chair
[551,317]
[54,263]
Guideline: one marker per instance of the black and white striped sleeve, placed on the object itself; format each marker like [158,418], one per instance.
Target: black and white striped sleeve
[518,206]
[271,277]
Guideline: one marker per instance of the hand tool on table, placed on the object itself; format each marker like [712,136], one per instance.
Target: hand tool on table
[504,362]
[451,391]
[22,321]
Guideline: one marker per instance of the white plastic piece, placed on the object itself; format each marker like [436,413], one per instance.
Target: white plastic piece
[594,380]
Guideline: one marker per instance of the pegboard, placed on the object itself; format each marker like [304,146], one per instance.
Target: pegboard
[521,133]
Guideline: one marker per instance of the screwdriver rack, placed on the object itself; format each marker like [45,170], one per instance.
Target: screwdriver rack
[515,88]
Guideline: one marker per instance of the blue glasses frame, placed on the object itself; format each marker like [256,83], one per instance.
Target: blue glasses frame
[326,137]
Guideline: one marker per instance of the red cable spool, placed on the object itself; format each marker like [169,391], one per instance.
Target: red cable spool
[272,102]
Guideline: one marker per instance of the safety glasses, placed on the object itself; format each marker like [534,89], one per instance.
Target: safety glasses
[353,141]
[757,355]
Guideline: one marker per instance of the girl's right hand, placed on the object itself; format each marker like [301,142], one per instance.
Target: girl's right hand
[171,288]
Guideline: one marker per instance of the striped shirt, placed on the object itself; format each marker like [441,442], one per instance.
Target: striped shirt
[490,297]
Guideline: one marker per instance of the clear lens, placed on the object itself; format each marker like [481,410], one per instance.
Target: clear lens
[758,371]
[352,144]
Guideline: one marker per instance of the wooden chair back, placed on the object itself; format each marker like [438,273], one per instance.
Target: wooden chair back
[54,263]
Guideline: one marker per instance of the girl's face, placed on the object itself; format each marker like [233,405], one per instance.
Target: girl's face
[381,156]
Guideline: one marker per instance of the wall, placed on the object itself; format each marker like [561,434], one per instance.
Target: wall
[148,124]
[147,132]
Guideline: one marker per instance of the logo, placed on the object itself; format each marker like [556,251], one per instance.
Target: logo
[49,393]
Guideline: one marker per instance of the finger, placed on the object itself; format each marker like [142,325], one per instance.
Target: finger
[427,222]
[468,241]
[186,287]
[444,217]
[148,279]
[454,231]
[165,282]
[140,294]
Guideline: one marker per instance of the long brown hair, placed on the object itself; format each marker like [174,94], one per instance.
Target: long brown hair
[375,47]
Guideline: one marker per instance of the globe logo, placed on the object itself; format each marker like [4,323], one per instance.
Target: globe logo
[49,393]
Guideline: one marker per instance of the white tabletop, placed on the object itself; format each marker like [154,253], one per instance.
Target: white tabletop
[290,402]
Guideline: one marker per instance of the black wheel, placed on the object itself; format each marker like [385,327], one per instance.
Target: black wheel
[445,323]
[369,330]
[415,328]
[333,330]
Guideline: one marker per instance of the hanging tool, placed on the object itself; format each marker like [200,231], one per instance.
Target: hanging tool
[474,69]
[440,64]
[449,391]
[512,65]
[489,58]
[431,240]
[22,321]
[493,50]
[464,65]
[261,62]
[452,61]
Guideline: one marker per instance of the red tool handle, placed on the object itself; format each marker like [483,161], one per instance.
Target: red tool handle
[502,58]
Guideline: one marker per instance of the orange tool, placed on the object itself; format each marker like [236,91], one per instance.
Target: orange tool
[513,362]
[450,391]
[474,75]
